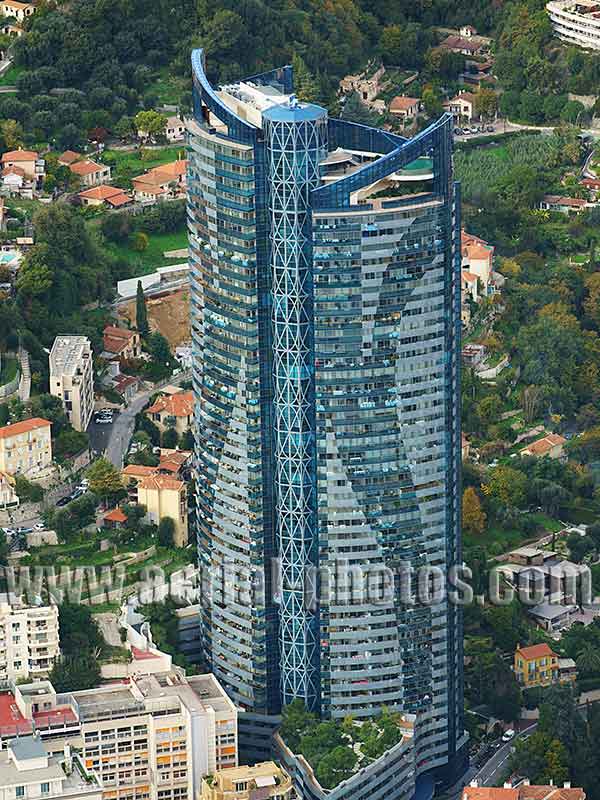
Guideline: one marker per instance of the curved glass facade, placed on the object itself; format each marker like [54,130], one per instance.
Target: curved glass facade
[326,325]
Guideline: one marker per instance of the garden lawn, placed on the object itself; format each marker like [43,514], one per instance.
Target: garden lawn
[128,164]
[9,370]
[142,263]
[168,88]
[10,76]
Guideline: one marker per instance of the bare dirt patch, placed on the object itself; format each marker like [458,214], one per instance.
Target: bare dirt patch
[168,314]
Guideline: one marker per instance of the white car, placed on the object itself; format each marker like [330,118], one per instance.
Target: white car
[9,531]
[39,526]
[103,420]
[508,735]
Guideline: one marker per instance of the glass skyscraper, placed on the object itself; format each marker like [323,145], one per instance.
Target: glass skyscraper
[325,270]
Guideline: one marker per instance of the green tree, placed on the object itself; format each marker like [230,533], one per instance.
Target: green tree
[336,766]
[141,313]
[588,659]
[305,84]
[12,134]
[506,485]
[105,480]
[140,241]
[75,673]
[170,438]
[150,123]
[473,515]
[166,532]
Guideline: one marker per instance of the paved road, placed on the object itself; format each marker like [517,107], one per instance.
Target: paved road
[497,766]
[118,435]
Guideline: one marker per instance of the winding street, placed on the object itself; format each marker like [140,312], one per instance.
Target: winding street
[120,432]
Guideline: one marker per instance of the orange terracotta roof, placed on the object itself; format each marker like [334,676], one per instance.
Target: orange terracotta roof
[84,168]
[159,482]
[465,97]
[174,461]
[536,651]
[100,192]
[138,470]
[176,405]
[141,185]
[401,103]
[118,200]
[545,444]
[20,155]
[116,515]
[550,793]
[69,157]
[175,169]
[116,339]
[489,793]
[556,200]
[477,250]
[32,424]
[470,238]
[13,171]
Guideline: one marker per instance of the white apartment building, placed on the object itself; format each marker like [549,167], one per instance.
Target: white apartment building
[29,642]
[26,447]
[72,378]
[576,22]
[153,737]
[28,771]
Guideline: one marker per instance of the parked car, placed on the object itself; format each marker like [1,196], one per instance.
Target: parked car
[24,530]
[490,129]
[9,531]
[508,735]
[63,501]
[39,526]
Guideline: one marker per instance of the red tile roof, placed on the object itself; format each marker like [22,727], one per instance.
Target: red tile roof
[142,655]
[401,103]
[116,339]
[158,482]
[180,404]
[556,200]
[116,515]
[32,424]
[173,462]
[69,157]
[138,470]
[13,171]
[20,155]
[536,651]
[101,192]
[87,167]
[118,200]
[489,793]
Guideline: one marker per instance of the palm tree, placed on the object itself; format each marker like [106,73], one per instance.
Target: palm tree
[588,659]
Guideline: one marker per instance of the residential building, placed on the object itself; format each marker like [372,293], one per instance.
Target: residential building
[28,640]
[175,130]
[29,771]
[326,343]
[470,285]
[563,205]
[151,737]
[72,378]
[165,497]
[465,447]
[90,173]
[168,180]
[14,31]
[524,791]
[550,446]
[126,385]
[536,665]
[553,617]
[404,107]
[576,22]
[467,43]
[266,781]
[23,164]
[69,157]
[462,106]
[17,10]
[104,195]
[173,411]
[25,447]
[121,343]
[478,259]
[8,495]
